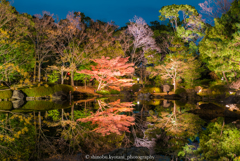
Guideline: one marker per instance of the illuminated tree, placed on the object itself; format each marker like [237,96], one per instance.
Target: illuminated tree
[172,68]
[14,47]
[215,8]
[191,27]
[43,39]
[107,71]
[77,43]
[220,52]
[143,38]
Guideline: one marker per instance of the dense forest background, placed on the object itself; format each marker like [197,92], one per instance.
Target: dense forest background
[186,51]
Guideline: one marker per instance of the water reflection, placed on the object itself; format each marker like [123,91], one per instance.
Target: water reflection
[44,129]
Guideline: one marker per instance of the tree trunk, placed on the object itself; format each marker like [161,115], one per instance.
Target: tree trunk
[34,70]
[99,85]
[85,84]
[72,81]
[72,109]
[62,114]
[174,84]
[62,77]
[225,78]
[39,120]
[39,72]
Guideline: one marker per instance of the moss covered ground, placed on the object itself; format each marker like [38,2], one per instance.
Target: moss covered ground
[46,90]
[6,94]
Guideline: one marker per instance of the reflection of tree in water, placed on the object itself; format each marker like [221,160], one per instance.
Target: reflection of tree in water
[173,129]
[140,128]
[109,120]
[16,136]
[59,135]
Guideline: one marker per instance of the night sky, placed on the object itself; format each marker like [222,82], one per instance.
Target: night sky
[105,10]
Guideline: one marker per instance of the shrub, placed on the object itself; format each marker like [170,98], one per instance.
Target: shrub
[46,91]
[103,92]
[204,82]
[151,90]
[6,94]
[180,90]
[136,87]
[218,89]
[114,91]
[155,90]
[219,141]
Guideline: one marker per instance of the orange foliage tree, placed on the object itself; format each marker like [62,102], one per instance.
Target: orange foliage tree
[108,70]
[109,120]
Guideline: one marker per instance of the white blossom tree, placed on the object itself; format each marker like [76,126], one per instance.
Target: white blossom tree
[215,8]
[142,35]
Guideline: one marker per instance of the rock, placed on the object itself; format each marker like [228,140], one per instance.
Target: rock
[232,107]
[18,103]
[198,89]
[59,96]
[18,94]
[166,88]
[166,103]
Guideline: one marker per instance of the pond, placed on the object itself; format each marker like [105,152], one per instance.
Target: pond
[44,130]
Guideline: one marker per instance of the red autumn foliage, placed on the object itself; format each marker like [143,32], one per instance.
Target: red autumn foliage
[109,120]
[108,70]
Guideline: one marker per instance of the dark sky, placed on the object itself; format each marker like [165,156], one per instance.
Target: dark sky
[119,11]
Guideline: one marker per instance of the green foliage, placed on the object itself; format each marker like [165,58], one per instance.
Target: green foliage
[6,94]
[189,152]
[17,137]
[47,91]
[180,90]
[179,126]
[52,78]
[83,114]
[180,103]
[220,48]
[42,106]
[83,77]
[204,82]
[218,89]
[103,92]
[192,73]
[136,87]
[219,141]
[151,90]
[55,114]
[159,81]
[112,91]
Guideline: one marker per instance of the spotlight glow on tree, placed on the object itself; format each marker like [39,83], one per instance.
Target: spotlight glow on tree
[107,70]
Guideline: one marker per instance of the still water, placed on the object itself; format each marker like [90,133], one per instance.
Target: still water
[44,130]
